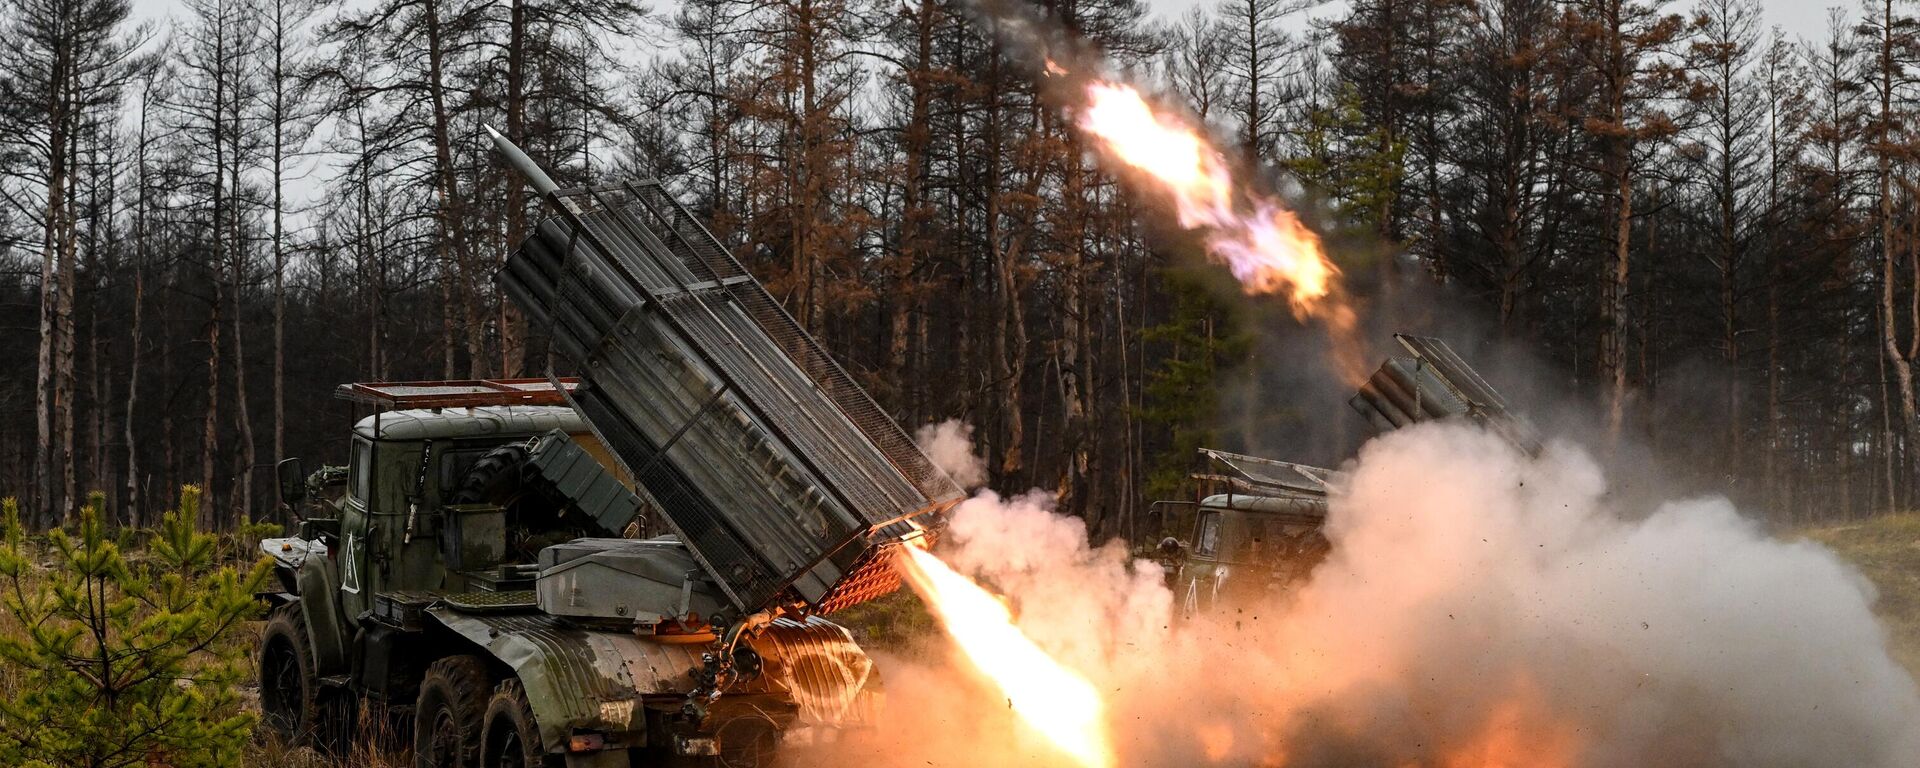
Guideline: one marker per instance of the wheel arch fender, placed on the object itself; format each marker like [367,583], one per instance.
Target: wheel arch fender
[578,679]
[327,632]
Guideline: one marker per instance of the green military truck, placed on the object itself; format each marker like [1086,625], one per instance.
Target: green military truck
[467,579]
[1256,531]
[1257,522]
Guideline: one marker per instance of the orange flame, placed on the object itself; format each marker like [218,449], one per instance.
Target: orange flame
[1265,245]
[1054,700]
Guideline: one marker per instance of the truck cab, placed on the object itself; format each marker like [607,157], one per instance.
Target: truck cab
[1256,531]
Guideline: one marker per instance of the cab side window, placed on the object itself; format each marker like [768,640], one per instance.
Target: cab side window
[360,470]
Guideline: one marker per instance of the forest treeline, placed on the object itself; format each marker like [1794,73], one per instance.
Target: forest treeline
[1702,223]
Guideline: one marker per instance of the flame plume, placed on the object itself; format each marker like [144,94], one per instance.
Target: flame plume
[1054,700]
[1264,244]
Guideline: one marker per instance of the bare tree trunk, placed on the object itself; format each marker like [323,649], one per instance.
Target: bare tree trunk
[916,140]
[280,118]
[1888,72]
[133,512]
[1071,358]
[46,502]
[1613,351]
[209,428]
[64,381]
[47,404]
[512,325]
[444,193]
[240,498]
[98,389]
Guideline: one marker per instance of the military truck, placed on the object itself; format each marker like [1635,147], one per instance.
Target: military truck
[1257,522]
[471,582]
[1256,531]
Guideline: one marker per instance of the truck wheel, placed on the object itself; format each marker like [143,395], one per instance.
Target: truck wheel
[448,715]
[293,704]
[513,737]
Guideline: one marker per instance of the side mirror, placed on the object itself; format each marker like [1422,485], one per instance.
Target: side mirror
[293,481]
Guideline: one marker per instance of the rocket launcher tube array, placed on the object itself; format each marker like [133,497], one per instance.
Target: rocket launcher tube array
[787,483]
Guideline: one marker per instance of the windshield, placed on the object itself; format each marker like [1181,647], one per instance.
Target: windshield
[1207,534]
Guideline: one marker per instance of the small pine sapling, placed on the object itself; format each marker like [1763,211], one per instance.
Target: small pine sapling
[124,662]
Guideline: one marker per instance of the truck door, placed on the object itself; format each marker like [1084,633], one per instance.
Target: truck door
[354,519]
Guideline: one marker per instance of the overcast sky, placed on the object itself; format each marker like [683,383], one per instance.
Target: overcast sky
[1798,18]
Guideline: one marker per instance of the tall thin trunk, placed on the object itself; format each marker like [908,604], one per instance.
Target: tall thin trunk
[64,381]
[1614,349]
[209,429]
[280,117]
[453,270]
[132,515]
[47,405]
[916,214]
[1071,361]
[512,325]
[1888,71]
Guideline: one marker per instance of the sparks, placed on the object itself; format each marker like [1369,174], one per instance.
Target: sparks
[1057,702]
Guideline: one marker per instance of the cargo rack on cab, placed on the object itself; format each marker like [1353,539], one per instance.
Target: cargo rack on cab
[467,393]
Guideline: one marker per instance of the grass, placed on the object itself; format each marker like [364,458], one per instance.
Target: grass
[1887,550]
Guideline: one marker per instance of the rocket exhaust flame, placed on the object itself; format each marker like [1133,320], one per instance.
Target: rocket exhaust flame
[1264,244]
[1056,701]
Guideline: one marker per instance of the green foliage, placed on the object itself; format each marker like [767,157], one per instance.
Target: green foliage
[1348,159]
[121,662]
[1200,339]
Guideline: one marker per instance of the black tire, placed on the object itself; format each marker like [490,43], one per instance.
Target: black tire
[496,478]
[450,712]
[512,735]
[293,704]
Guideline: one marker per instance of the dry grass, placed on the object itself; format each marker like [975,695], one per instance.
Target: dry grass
[888,623]
[1887,550]
[266,751]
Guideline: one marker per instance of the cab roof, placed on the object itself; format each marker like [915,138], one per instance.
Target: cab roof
[487,421]
[1298,505]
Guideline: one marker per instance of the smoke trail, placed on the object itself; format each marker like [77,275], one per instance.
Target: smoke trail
[949,444]
[1482,607]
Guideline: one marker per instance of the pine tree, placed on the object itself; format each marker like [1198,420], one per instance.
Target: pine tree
[124,662]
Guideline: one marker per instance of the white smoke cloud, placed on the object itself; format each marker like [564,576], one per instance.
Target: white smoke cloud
[1481,607]
[950,445]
